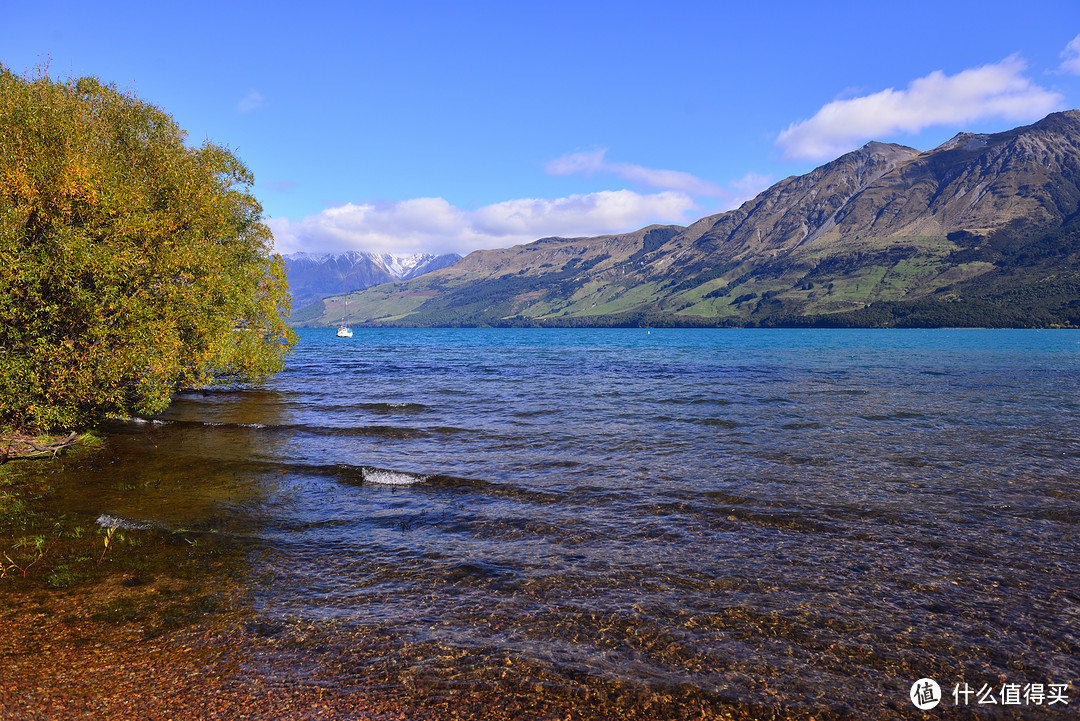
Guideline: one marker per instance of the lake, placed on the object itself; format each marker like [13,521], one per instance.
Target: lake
[777,521]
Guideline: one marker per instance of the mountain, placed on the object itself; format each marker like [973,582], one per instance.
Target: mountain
[983,230]
[313,276]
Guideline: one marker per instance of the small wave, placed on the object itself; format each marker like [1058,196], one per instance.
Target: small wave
[383,477]
[717,422]
[379,431]
[842,392]
[352,475]
[534,414]
[447,430]
[790,459]
[151,421]
[393,432]
[391,408]
[107,520]
[898,416]
[224,424]
[555,464]
[695,401]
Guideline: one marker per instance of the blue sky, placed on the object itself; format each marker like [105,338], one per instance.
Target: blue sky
[421,126]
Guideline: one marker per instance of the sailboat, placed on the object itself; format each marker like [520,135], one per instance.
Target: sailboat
[344,331]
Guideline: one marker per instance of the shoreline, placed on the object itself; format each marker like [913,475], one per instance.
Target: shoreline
[23,446]
[75,666]
[64,661]
[162,626]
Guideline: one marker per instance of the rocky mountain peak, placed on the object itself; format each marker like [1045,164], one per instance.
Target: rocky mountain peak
[964,141]
[879,151]
[1065,121]
[960,233]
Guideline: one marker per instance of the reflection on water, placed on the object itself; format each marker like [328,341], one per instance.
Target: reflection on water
[776,519]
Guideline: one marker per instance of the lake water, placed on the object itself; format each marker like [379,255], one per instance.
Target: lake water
[773,519]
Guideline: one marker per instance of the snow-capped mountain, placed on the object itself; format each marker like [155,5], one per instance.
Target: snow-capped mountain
[403,267]
[314,276]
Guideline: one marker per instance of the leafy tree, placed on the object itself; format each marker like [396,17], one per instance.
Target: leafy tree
[131,265]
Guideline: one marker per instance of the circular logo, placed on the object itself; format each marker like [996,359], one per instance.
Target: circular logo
[925,694]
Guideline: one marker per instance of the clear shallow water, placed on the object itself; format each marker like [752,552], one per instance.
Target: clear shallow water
[812,519]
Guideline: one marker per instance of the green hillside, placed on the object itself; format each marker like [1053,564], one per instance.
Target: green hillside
[982,231]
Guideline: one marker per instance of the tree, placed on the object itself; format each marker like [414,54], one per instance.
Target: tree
[131,265]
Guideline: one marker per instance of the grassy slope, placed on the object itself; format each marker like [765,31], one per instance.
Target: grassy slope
[928,280]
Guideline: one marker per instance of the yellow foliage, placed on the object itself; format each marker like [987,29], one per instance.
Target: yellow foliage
[127,259]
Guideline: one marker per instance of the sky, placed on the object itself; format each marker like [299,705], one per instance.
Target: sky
[432,127]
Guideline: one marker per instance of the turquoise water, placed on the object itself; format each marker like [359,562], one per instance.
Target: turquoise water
[810,519]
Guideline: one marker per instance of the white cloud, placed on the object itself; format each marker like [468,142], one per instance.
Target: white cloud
[433,225]
[722,197]
[593,214]
[571,163]
[991,91]
[1071,55]
[594,162]
[252,101]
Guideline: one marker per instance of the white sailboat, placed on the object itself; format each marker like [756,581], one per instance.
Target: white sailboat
[344,331]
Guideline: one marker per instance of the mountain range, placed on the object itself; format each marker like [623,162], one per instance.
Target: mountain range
[983,230]
[314,276]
